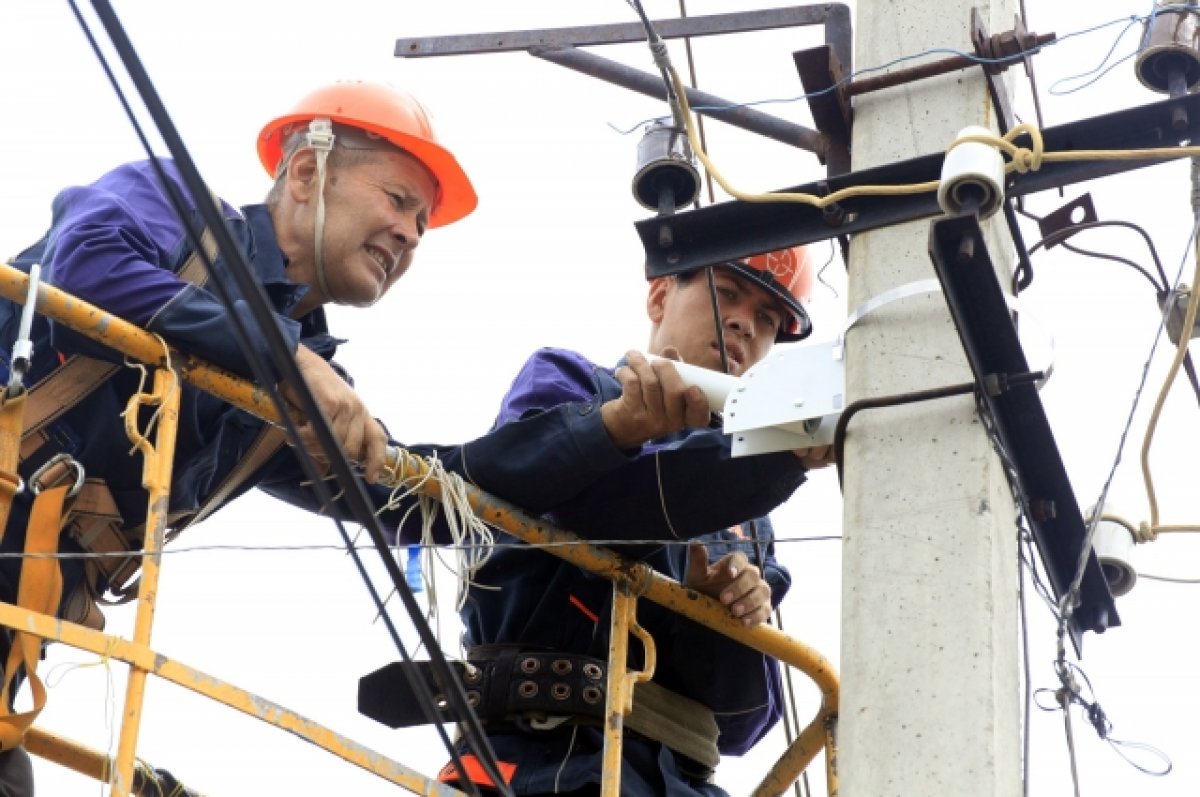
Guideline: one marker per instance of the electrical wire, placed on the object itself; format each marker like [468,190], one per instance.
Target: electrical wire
[970,56]
[1079,250]
[1023,615]
[1181,352]
[691,60]
[1160,285]
[175,550]
[1020,159]
[1060,236]
[268,332]
[828,262]
[1099,68]
[683,121]
[791,714]
[1069,692]
[1033,86]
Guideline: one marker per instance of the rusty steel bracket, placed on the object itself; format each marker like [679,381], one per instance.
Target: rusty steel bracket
[822,72]
[1055,227]
[561,46]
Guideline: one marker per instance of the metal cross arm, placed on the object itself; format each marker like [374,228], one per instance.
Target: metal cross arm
[738,229]
[835,16]
[560,46]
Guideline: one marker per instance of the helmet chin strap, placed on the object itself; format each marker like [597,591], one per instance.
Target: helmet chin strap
[320,138]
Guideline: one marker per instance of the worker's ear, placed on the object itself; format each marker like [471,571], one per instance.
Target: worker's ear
[302,175]
[656,300]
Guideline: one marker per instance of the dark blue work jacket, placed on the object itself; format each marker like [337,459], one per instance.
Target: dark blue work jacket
[549,453]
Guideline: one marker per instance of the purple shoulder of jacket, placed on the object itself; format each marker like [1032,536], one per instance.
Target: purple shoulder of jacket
[112,241]
[550,377]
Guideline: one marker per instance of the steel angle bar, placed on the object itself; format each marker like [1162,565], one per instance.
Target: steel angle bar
[625,32]
[701,102]
[989,337]
[737,229]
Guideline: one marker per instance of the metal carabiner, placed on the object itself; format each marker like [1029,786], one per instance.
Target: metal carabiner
[35,481]
[22,351]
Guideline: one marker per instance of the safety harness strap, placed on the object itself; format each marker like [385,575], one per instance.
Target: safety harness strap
[685,725]
[60,391]
[40,590]
[95,521]
[106,539]
[11,413]
[269,440]
[79,376]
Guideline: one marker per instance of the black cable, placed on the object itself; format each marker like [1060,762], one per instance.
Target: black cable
[1079,250]
[700,133]
[828,262]
[254,296]
[1066,232]
[1022,276]
[1027,670]
[791,721]
[657,46]
[716,308]
[1160,285]
[1189,366]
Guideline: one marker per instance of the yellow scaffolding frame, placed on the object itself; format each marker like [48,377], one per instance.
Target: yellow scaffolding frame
[631,580]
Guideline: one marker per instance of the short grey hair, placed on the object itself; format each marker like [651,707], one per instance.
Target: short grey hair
[351,146]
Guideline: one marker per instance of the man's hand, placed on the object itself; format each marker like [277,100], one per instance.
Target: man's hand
[733,581]
[362,438]
[816,457]
[654,402]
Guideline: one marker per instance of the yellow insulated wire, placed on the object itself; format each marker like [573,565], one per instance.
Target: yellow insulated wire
[1181,351]
[1020,159]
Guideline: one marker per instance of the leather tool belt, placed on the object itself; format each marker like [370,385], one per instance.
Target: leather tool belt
[515,686]
[538,691]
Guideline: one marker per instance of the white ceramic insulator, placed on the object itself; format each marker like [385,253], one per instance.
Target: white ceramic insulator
[972,169]
[1113,545]
[715,385]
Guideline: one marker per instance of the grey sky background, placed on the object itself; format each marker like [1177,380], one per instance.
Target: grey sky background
[550,258]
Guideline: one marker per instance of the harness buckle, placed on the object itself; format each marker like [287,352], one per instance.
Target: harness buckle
[54,471]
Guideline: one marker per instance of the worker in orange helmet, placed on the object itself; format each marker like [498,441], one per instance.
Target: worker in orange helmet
[633,454]
[359,176]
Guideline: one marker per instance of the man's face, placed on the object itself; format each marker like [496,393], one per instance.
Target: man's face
[376,210]
[681,311]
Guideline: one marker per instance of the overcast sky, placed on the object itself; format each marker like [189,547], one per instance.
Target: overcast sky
[550,258]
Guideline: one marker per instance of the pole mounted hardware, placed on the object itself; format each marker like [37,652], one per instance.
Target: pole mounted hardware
[736,230]
[562,46]
[989,337]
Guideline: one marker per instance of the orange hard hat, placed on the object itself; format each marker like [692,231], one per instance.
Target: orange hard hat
[389,113]
[788,275]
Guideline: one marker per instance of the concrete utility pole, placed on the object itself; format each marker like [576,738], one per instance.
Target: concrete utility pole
[929,638]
